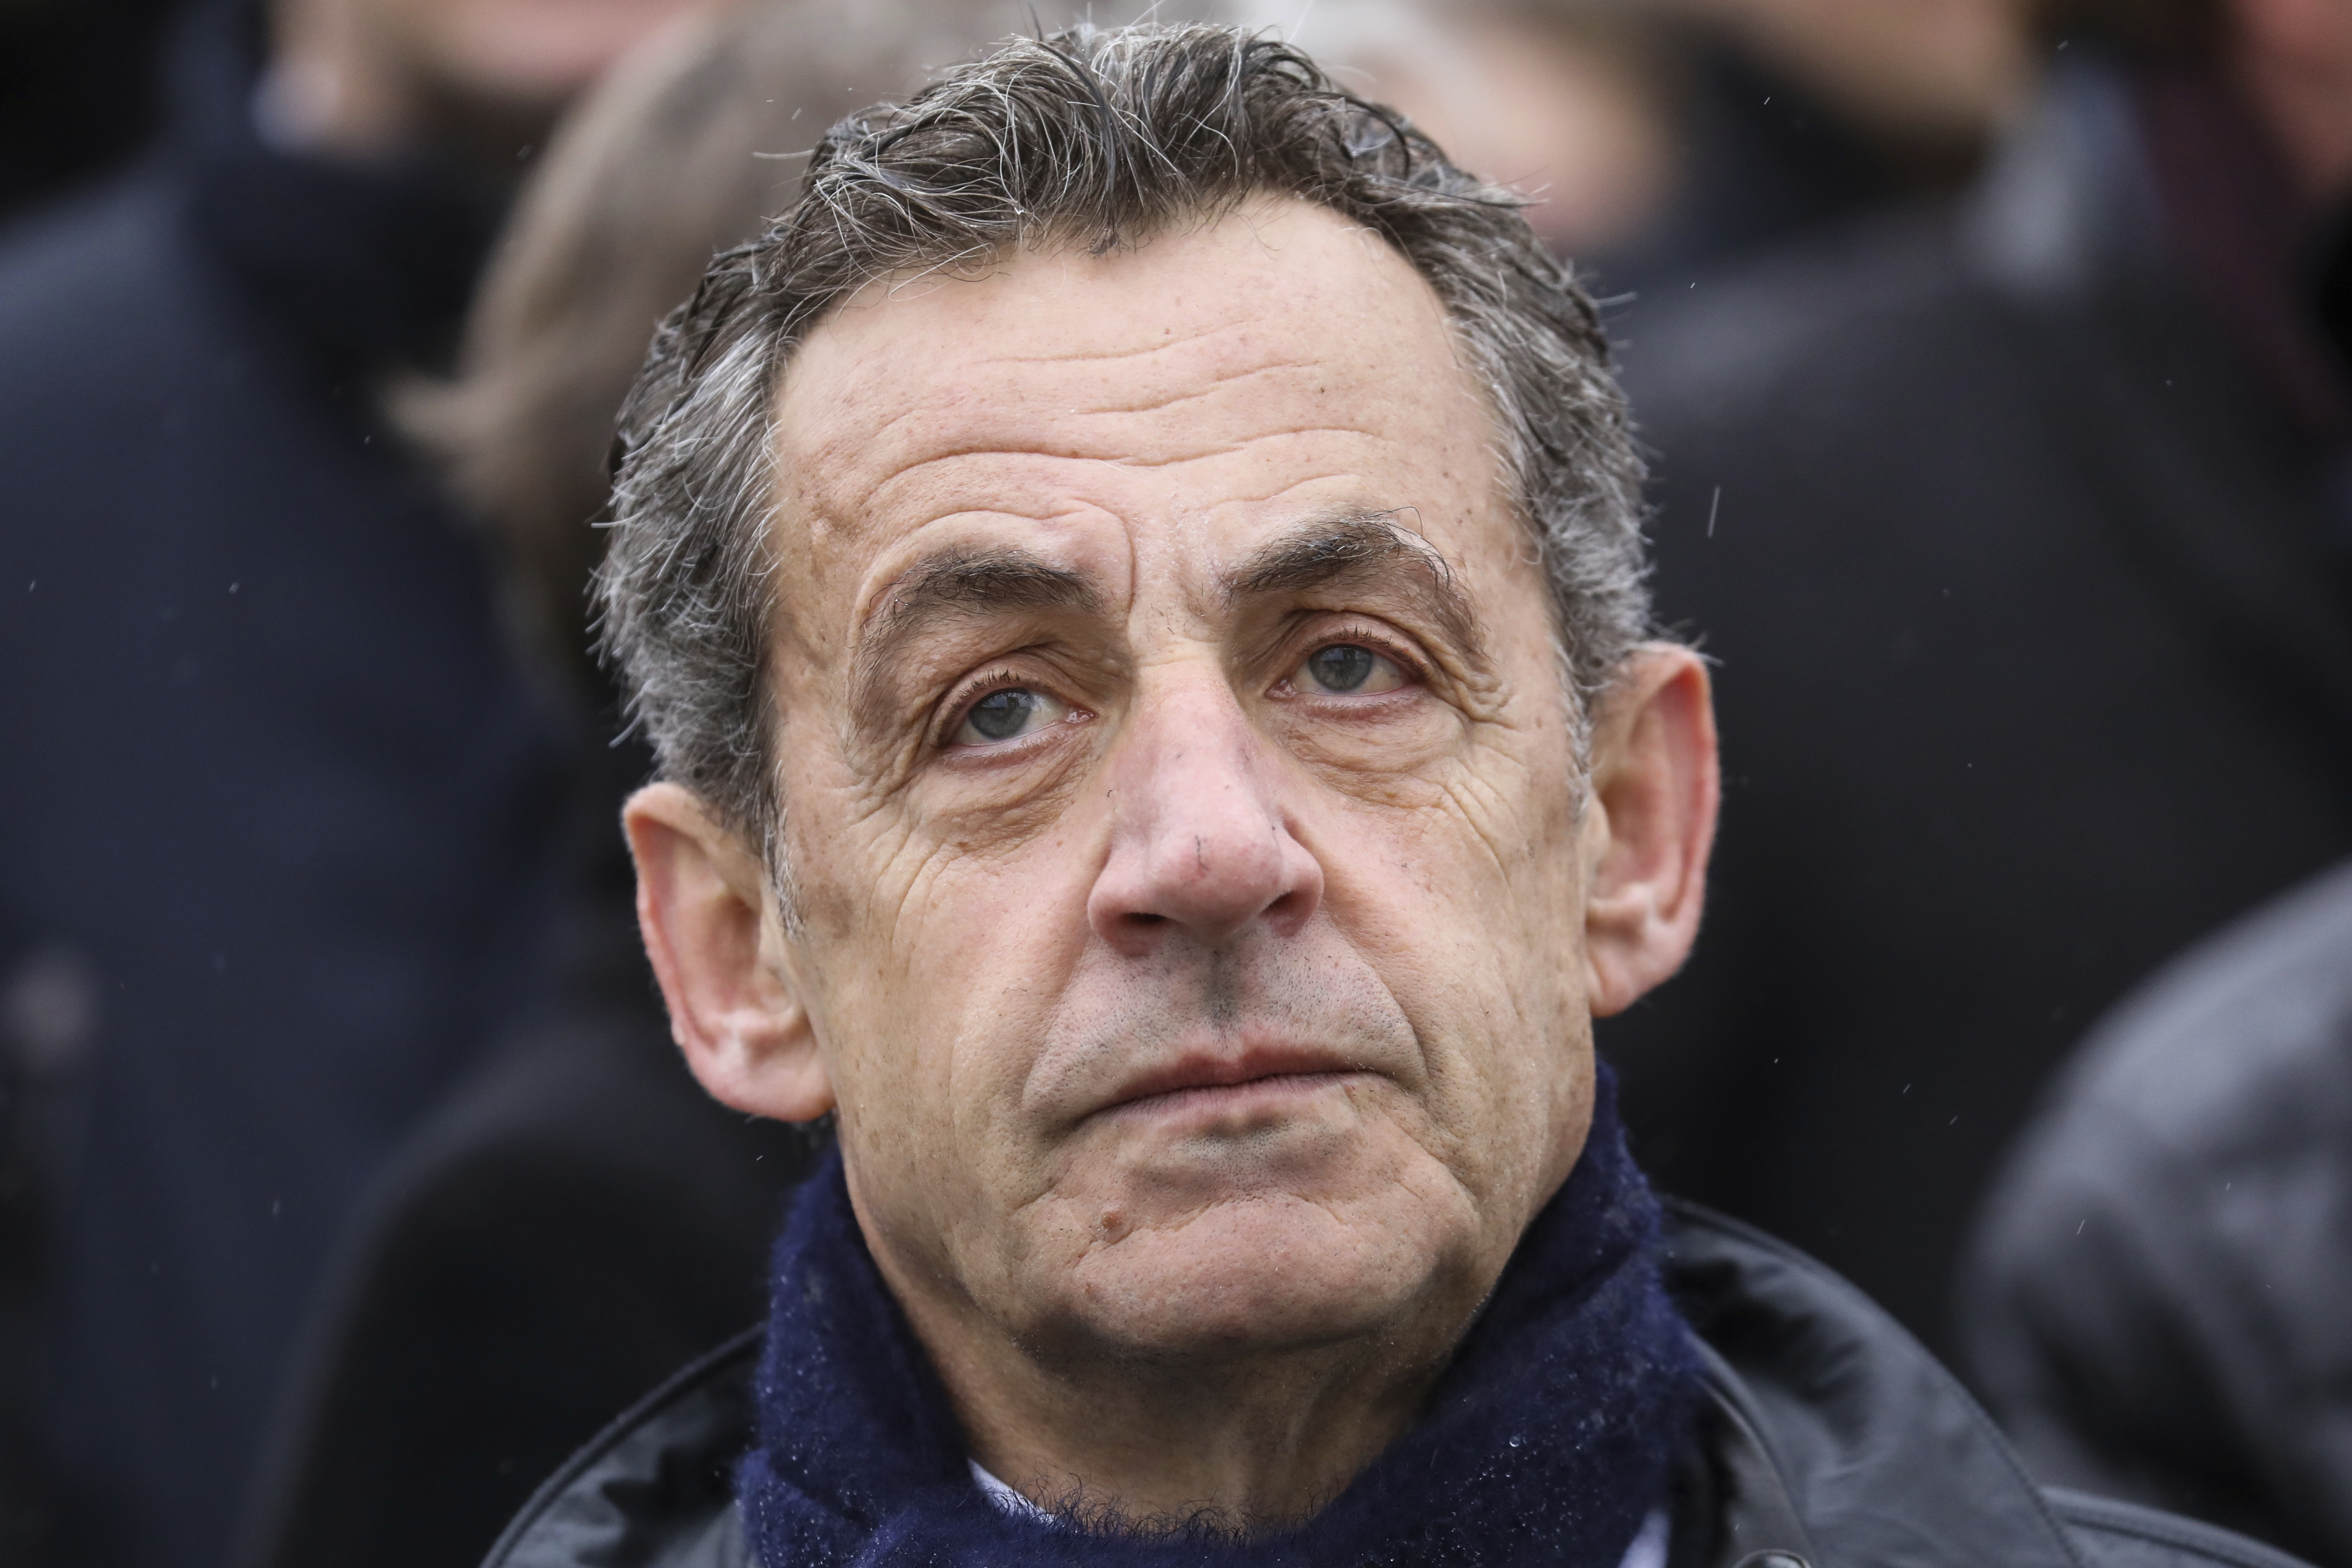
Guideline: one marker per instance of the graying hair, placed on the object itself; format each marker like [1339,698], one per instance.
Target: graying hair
[1101,138]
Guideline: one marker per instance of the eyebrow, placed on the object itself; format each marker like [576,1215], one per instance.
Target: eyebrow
[1350,547]
[954,583]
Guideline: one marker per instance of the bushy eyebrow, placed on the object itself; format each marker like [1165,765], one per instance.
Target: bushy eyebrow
[1347,547]
[950,584]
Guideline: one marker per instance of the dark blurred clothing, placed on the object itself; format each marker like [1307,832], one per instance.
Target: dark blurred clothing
[1763,163]
[274,785]
[577,1223]
[2028,584]
[80,92]
[2160,1302]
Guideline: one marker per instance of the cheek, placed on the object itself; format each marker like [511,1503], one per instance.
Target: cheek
[936,994]
[1469,908]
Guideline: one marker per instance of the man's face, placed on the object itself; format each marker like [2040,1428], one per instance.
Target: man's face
[1180,794]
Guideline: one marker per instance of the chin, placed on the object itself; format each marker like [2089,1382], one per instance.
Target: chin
[1264,1273]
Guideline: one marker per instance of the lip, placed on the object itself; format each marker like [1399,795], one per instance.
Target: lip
[1204,1077]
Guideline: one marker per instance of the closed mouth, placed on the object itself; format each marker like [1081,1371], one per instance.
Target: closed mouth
[1258,1076]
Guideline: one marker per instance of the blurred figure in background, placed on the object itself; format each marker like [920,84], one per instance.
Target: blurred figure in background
[579,1221]
[2160,1302]
[1573,101]
[2022,533]
[1659,135]
[275,804]
[1797,113]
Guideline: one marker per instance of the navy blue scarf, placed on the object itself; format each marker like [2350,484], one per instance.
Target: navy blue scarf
[1547,1441]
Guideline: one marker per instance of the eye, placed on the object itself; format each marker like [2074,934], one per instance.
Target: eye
[1007,714]
[1347,669]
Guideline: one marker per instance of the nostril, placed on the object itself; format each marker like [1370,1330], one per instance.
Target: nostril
[1142,919]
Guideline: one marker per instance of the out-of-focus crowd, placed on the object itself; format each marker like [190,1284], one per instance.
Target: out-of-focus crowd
[1994,362]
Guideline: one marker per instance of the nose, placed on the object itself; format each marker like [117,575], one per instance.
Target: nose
[1200,843]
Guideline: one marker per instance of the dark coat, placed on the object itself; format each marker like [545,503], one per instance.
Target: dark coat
[2160,1297]
[274,790]
[1828,1435]
[577,1222]
[2035,663]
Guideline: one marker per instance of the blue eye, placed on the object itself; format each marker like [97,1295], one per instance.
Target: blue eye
[1007,715]
[1347,669]
[1340,668]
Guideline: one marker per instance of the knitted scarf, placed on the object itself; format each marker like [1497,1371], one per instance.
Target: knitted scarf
[1547,1440]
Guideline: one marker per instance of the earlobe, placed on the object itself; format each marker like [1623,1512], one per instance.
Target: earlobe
[1656,791]
[717,946]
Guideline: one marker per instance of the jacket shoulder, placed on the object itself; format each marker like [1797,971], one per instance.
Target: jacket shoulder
[1884,1457]
[654,1489]
[2275,985]
[2109,1534]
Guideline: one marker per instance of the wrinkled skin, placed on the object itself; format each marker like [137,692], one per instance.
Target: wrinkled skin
[1199,923]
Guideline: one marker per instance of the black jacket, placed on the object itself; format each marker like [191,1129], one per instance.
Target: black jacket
[1829,1436]
[2161,1298]
[2035,653]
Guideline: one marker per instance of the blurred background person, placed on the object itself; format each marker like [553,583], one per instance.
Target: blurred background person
[276,804]
[2020,532]
[1798,113]
[2158,1304]
[1656,136]
[1571,102]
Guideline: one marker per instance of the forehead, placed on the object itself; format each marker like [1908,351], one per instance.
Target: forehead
[1166,402]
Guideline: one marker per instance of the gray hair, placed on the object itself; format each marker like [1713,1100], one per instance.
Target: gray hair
[1101,138]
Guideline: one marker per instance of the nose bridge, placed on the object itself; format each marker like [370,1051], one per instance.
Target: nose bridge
[1200,838]
[1197,774]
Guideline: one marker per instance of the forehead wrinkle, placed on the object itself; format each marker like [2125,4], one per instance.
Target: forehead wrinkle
[970,420]
[881,495]
[1162,346]
[957,582]
[1188,389]
[1004,437]
[1224,382]
[1351,545]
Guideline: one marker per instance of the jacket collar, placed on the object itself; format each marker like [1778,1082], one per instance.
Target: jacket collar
[1830,1436]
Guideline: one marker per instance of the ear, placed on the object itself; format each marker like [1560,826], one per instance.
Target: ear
[718,950]
[1649,824]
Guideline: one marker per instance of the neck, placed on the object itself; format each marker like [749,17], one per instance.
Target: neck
[1244,1442]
